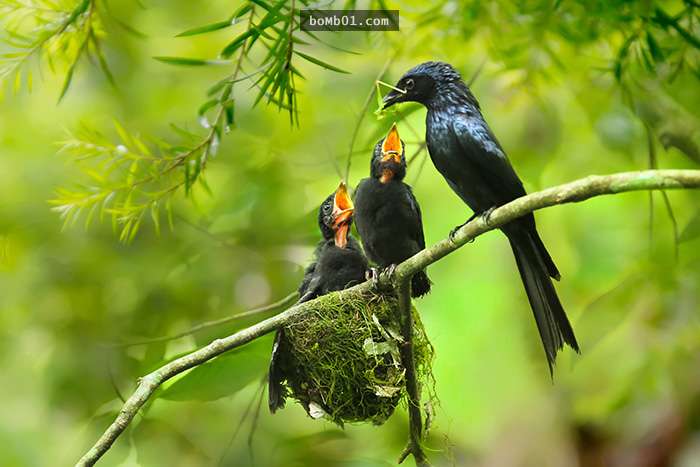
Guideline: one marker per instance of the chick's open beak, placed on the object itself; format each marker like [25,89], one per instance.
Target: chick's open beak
[392,147]
[342,215]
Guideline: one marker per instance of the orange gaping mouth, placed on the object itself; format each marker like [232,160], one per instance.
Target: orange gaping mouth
[392,147]
[341,235]
[343,210]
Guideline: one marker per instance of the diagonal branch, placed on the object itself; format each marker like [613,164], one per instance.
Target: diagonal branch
[580,190]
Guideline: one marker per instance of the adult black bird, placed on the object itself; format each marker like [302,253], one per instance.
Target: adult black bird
[338,264]
[387,214]
[468,155]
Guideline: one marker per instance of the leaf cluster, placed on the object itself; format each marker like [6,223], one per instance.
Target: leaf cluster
[128,180]
[53,34]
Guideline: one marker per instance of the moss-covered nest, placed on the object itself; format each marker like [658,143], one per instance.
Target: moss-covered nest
[343,361]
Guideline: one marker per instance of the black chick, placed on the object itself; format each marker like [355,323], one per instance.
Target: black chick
[338,264]
[388,216]
[468,155]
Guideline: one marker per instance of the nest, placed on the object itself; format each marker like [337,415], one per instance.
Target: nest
[342,359]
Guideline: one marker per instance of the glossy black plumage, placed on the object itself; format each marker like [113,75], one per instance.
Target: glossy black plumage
[334,268]
[468,155]
[388,216]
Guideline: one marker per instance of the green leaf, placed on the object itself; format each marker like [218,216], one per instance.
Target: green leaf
[654,48]
[103,62]
[221,377]
[184,61]
[155,216]
[123,134]
[228,108]
[79,10]
[663,18]
[270,19]
[67,80]
[206,28]
[320,63]
[169,213]
[692,230]
[188,178]
[206,106]
[203,182]
[128,28]
[237,42]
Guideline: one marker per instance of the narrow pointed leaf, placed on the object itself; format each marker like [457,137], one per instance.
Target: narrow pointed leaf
[206,28]
[185,61]
[320,63]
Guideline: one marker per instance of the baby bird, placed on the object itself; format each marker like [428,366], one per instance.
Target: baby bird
[339,263]
[388,216]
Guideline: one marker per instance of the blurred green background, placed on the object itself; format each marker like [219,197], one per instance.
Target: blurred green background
[570,88]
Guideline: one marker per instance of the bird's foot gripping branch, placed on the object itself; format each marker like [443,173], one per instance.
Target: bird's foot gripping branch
[576,191]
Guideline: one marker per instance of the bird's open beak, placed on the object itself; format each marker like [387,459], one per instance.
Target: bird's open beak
[391,147]
[342,215]
[395,96]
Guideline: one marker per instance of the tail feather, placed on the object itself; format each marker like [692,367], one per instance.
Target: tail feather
[276,375]
[420,284]
[276,392]
[544,254]
[536,267]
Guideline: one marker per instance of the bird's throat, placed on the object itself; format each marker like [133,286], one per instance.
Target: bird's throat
[387,176]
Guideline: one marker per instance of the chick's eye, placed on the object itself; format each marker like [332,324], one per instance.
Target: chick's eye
[408,85]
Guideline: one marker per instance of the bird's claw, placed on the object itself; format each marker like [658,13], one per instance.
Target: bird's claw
[486,215]
[389,271]
[372,274]
[453,232]
[375,276]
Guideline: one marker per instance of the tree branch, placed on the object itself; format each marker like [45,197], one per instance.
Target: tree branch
[571,192]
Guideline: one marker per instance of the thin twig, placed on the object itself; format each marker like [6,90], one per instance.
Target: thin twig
[579,190]
[246,412]
[476,73]
[256,417]
[284,302]
[674,224]
[421,166]
[654,164]
[113,380]
[224,242]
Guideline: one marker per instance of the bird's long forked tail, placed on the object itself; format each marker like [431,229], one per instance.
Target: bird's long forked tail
[535,268]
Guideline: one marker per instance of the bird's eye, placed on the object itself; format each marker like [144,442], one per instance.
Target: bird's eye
[408,85]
